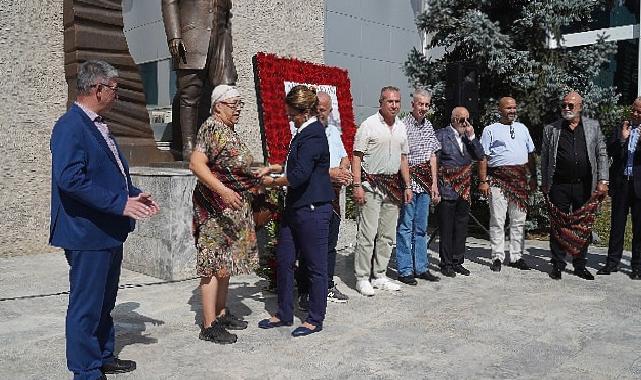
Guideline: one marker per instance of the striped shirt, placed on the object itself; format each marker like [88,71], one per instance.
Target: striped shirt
[422,144]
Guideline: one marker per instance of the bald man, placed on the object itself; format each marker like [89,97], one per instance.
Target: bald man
[625,174]
[510,158]
[574,163]
[459,147]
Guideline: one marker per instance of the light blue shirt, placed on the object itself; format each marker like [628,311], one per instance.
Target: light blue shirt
[632,147]
[501,149]
[336,147]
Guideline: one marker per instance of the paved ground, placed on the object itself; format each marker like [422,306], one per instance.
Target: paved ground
[507,325]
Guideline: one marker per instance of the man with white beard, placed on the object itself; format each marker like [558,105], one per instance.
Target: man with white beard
[574,166]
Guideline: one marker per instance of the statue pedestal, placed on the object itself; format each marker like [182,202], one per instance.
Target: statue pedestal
[163,246]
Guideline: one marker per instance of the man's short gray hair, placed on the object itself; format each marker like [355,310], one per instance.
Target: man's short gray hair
[421,92]
[91,73]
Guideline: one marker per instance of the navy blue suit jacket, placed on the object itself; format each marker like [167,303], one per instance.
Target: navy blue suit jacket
[450,155]
[308,168]
[88,191]
[618,150]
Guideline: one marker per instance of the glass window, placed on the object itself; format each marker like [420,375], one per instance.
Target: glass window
[149,74]
[613,13]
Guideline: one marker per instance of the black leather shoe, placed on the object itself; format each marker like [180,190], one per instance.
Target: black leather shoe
[232,322]
[607,269]
[118,366]
[409,280]
[635,274]
[583,273]
[102,377]
[448,272]
[496,265]
[555,273]
[520,264]
[461,269]
[427,276]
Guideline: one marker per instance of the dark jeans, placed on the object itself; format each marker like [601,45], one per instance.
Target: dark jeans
[624,200]
[303,230]
[568,197]
[90,333]
[301,274]
[453,216]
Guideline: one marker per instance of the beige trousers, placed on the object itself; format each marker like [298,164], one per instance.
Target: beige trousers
[499,207]
[376,235]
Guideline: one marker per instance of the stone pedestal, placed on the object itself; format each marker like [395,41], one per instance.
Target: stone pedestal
[163,246]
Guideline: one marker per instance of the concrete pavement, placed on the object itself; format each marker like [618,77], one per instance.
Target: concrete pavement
[503,325]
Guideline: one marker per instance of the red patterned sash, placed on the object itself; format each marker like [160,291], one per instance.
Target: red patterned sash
[208,203]
[459,178]
[422,175]
[512,181]
[390,184]
[573,231]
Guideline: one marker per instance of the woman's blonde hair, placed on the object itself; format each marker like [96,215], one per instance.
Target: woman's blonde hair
[302,99]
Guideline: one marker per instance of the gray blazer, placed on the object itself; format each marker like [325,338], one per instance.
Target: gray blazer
[595,142]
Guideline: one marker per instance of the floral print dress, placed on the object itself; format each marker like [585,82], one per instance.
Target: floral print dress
[225,239]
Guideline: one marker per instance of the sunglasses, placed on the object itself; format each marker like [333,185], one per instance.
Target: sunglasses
[462,120]
[512,132]
[569,106]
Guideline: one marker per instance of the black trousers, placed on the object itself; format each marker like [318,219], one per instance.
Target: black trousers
[568,197]
[453,216]
[624,200]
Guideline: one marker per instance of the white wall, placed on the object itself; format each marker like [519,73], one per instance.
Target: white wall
[372,39]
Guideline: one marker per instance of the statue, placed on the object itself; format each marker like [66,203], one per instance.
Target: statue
[94,30]
[200,43]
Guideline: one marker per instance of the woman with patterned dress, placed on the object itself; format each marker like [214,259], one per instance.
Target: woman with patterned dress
[223,224]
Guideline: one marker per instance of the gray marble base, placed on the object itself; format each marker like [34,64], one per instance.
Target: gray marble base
[163,246]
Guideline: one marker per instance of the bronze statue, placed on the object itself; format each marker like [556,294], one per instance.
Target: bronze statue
[199,39]
[94,30]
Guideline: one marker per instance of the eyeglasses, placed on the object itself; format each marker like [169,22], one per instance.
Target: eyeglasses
[462,120]
[235,105]
[569,106]
[113,88]
[512,131]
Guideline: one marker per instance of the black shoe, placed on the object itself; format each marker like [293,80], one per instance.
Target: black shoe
[409,280]
[118,366]
[427,276]
[583,273]
[555,273]
[448,272]
[303,301]
[102,377]
[461,269]
[217,334]
[635,274]
[496,265]
[607,269]
[232,322]
[520,264]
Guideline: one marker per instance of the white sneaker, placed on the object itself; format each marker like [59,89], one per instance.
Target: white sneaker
[365,288]
[385,283]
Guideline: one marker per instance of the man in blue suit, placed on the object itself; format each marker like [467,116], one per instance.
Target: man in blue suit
[625,190]
[93,208]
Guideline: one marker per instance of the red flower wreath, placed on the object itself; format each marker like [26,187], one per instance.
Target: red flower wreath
[271,73]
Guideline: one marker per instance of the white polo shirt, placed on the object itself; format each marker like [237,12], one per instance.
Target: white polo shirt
[381,145]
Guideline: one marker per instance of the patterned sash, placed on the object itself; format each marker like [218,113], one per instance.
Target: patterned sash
[422,175]
[459,178]
[573,231]
[390,184]
[512,181]
[208,203]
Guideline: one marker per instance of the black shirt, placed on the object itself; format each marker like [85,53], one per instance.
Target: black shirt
[572,163]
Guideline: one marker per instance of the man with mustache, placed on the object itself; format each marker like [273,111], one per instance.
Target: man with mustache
[625,173]
[509,152]
[574,163]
